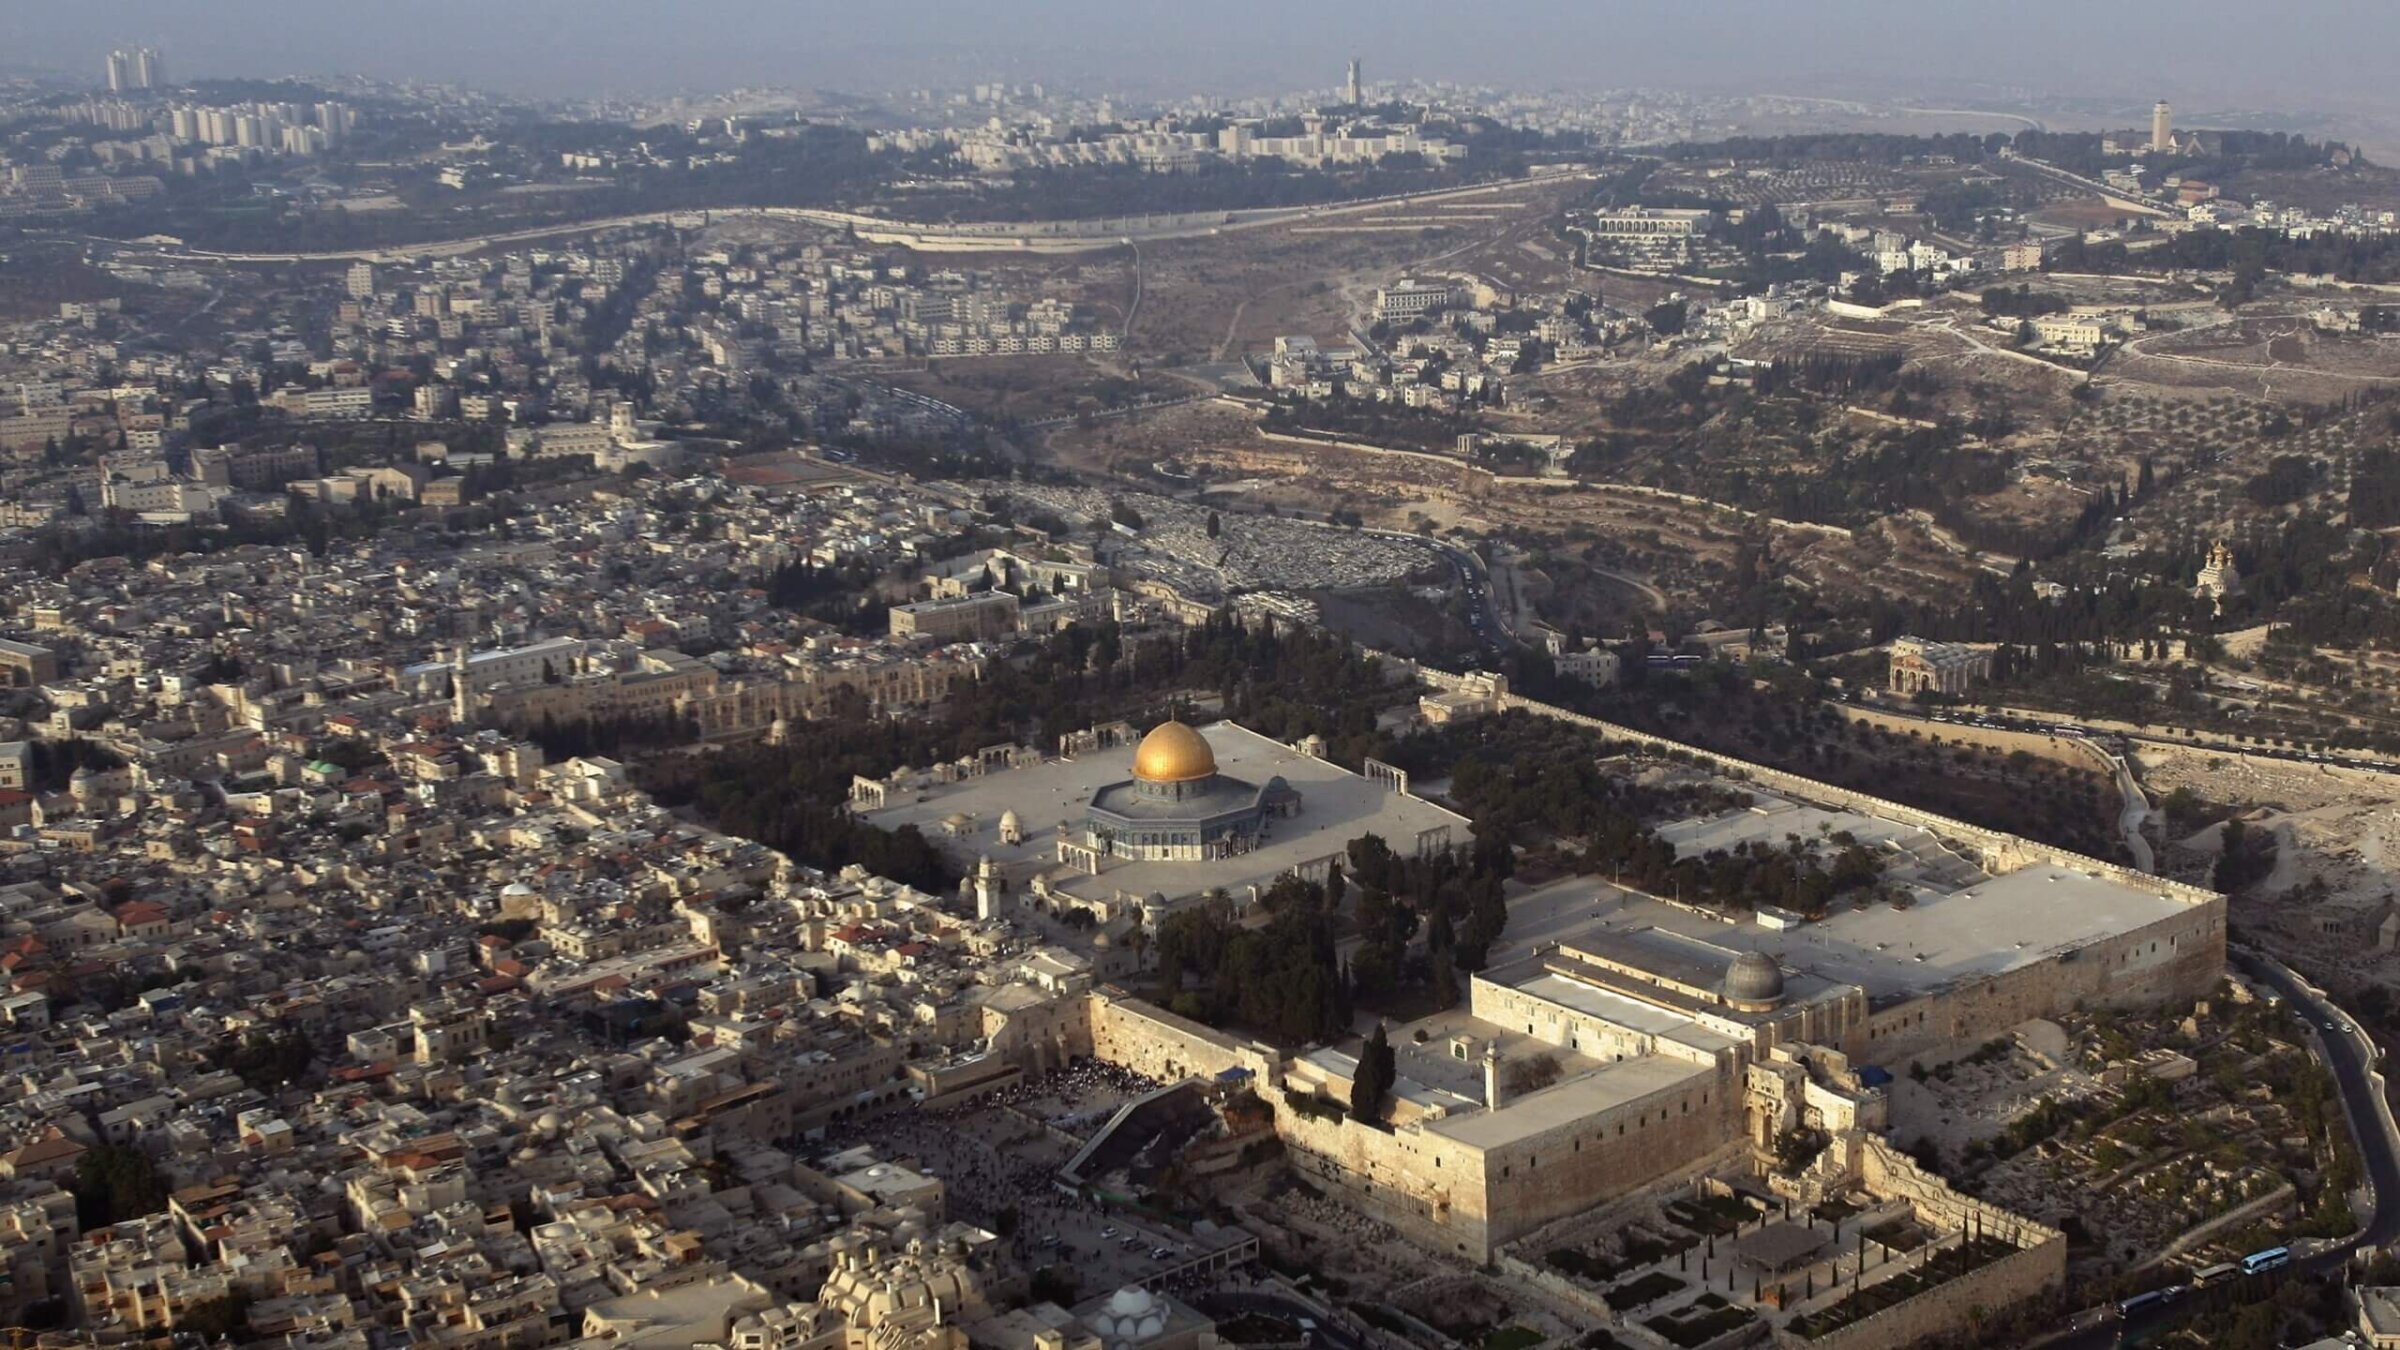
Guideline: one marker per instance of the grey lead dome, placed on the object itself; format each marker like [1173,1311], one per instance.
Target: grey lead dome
[1753,977]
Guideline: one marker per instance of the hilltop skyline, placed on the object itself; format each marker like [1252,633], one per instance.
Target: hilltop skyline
[2327,49]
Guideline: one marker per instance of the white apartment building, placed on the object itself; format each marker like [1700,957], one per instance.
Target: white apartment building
[1409,298]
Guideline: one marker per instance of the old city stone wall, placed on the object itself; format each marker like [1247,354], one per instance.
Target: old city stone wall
[1887,1174]
[1950,1308]
[2179,957]
[1042,1037]
[1150,1040]
[1428,1186]
[1998,850]
[1449,1194]
[1541,1178]
[2182,956]
[2073,751]
[1584,1300]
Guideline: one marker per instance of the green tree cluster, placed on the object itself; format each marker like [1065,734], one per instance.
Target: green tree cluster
[1377,1073]
[267,1061]
[114,1183]
[1281,980]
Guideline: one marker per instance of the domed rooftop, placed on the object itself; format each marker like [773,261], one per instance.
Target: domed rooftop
[1174,753]
[1754,978]
[1131,1317]
[1131,1301]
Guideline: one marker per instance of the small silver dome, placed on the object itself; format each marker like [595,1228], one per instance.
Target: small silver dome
[1754,978]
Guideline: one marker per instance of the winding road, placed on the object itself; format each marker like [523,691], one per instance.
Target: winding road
[1656,598]
[1134,310]
[1034,236]
[2352,1060]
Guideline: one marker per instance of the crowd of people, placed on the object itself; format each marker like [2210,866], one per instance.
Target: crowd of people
[998,1164]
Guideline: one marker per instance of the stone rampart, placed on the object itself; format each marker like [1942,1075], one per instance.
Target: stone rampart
[1997,850]
[1149,1040]
[2038,1264]
[1950,1308]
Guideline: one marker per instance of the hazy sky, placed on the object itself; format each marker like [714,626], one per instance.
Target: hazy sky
[2288,54]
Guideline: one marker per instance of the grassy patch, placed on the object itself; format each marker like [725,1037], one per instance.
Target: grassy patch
[1718,1214]
[1633,1294]
[1945,1266]
[1698,1329]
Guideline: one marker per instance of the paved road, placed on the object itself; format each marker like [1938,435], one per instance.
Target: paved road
[1126,410]
[1134,310]
[1492,629]
[2350,1057]
[2167,735]
[2137,810]
[1651,595]
[1040,236]
[2092,184]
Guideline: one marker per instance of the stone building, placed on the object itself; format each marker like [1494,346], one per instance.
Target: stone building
[23,664]
[1177,806]
[1222,809]
[1670,1039]
[1937,667]
[982,617]
[2219,580]
[1642,1039]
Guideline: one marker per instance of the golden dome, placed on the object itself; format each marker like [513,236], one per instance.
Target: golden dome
[1174,753]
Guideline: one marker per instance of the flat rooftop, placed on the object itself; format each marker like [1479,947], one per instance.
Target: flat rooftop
[1997,925]
[1672,954]
[1577,1098]
[1336,806]
[1620,1010]
[1451,1092]
[1430,1074]
[2380,1305]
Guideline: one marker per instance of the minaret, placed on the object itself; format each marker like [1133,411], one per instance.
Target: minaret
[988,884]
[1352,87]
[2162,127]
[462,706]
[1491,1076]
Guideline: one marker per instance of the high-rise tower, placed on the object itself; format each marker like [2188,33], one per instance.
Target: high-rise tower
[1351,88]
[2162,127]
[136,69]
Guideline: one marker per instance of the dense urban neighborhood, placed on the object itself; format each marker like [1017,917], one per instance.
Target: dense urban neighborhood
[1047,715]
